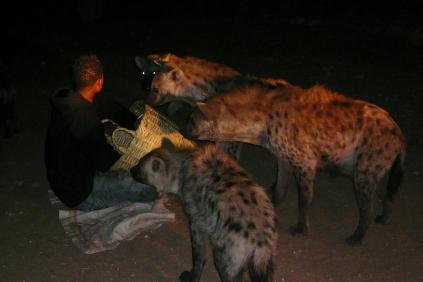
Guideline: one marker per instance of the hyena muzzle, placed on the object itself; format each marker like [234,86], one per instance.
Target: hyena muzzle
[309,132]
[222,204]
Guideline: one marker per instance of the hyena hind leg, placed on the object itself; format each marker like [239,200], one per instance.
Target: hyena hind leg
[364,193]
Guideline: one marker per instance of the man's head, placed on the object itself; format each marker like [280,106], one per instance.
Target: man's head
[87,74]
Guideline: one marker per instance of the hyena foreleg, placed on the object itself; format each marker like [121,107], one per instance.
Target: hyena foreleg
[305,185]
[198,247]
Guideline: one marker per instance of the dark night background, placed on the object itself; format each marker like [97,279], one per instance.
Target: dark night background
[370,51]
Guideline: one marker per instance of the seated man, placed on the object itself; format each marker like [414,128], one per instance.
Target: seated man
[77,155]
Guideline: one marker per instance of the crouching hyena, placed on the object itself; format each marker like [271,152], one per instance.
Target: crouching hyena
[191,80]
[222,203]
[310,130]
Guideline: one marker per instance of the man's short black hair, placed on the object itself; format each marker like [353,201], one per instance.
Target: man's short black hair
[86,71]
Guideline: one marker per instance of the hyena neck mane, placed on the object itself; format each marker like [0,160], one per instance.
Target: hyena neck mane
[202,165]
[175,163]
[224,85]
[210,78]
[215,79]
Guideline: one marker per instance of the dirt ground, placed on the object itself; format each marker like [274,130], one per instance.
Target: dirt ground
[377,62]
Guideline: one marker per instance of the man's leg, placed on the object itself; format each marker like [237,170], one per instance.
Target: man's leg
[111,188]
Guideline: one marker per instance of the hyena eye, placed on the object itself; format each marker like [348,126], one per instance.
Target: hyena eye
[154,73]
[155,165]
[143,73]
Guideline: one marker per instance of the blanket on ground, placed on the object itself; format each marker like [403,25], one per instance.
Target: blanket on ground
[101,230]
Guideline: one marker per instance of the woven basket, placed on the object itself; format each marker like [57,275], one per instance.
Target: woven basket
[133,145]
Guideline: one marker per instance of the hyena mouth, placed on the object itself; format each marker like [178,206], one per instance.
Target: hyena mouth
[153,98]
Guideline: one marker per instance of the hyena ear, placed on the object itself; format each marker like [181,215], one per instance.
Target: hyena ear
[166,57]
[167,144]
[164,67]
[160,58]
[140,62]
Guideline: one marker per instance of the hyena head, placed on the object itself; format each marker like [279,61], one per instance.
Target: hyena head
[224,117]
[160,167]
[185,79]
[149,68]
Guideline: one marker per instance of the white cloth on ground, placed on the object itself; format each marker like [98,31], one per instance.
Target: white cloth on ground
[101,230]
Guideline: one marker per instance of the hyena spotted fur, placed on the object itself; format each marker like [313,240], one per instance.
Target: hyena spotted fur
[309,129]
[192,79]
[222,203]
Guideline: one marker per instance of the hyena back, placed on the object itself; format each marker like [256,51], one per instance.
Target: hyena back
[222,203]
[310,131]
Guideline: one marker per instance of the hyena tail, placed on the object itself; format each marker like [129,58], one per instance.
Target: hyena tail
[395,178]
[261,266]
[395,175]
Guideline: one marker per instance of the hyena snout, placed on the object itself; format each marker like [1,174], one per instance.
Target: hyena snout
[146,83]
[190,129]
[153,98]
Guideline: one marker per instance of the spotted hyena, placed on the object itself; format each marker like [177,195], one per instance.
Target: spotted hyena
[192,80]
[222,203]
[309,129]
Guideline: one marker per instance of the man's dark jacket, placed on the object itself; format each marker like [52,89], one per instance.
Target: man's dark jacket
[75,147]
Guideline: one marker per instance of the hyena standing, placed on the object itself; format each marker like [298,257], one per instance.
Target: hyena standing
[192,80]
[310,130]
[222,203]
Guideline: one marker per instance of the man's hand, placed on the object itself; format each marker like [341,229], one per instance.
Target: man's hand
[109,126]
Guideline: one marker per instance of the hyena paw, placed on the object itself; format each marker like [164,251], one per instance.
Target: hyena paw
[354,240]
[382,219]
[298,230]
[185,276]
